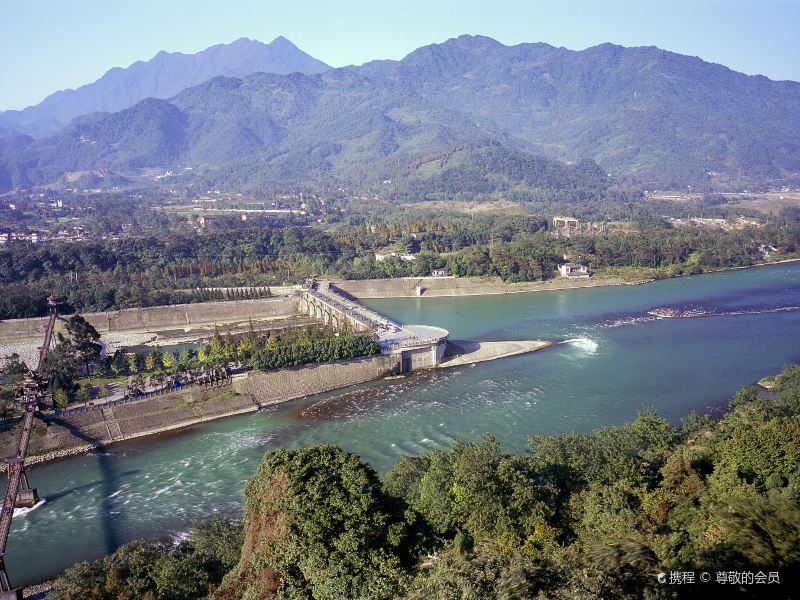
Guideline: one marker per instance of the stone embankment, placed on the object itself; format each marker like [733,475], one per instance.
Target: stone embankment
[460,286]
[273,387]
[179,316]
[59,437]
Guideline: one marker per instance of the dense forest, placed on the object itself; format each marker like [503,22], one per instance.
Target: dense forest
[175,266]
[578,515]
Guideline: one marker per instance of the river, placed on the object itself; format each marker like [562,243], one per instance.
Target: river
[618,360]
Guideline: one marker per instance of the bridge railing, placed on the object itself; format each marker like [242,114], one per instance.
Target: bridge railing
[343,308]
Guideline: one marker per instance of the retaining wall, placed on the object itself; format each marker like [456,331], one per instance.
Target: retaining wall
[458,286]
[79,432]
[287,384]
[161,317]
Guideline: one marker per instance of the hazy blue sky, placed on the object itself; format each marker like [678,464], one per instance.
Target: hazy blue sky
[46,45]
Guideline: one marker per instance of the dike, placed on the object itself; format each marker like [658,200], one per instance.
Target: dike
[59,437]
[409,287]
[176,316]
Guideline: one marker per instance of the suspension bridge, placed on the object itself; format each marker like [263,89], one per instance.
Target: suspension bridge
[32,394]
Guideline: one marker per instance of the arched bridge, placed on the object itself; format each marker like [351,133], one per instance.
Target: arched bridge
[322,303]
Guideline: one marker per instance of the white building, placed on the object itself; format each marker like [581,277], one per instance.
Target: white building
[573,270]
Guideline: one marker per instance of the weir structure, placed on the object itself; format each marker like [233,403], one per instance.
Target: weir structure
[414,346]
[32,394]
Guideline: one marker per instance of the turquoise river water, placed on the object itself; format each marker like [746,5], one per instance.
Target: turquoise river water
[615,361]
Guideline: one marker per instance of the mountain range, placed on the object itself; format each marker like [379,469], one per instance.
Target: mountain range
[645,114]
[163,76]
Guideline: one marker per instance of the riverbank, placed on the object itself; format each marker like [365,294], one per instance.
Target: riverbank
[144,490]
[162,325]
[410,287]
[466,353]
[61,437]
[70,435]
[55,437]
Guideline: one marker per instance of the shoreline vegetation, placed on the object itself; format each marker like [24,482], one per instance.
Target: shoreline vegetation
[232,259]
[404,287]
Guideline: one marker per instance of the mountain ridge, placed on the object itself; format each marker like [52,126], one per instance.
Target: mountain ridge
[162,76]
[643,113]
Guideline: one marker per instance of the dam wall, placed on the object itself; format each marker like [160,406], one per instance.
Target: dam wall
[163,317]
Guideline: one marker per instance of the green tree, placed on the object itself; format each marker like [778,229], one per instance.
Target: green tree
[169,361]
[319,520]
[84,393]
[84,337]
[119,362]
[133,363]
[60,398]
[14,370]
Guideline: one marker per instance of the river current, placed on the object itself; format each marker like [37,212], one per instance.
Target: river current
[617,358]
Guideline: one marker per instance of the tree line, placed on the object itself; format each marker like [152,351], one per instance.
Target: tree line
[154,270]
[77,355]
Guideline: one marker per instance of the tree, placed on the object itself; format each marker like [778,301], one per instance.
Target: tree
[133,363]
[61,366]
[119,362]
[60,398]
[319,521]
[203,355]
[218,541]
[151,361]
[84,338]
[169,361]
[186,357]
[14,370]
[84,393]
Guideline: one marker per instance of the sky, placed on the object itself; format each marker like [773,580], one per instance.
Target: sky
[48,45]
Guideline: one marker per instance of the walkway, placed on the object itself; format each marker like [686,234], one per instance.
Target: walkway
[391,335]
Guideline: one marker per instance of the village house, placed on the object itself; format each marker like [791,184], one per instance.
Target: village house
[574,271]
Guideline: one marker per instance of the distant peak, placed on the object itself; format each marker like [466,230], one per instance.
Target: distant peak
[282,42]
[481,39]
